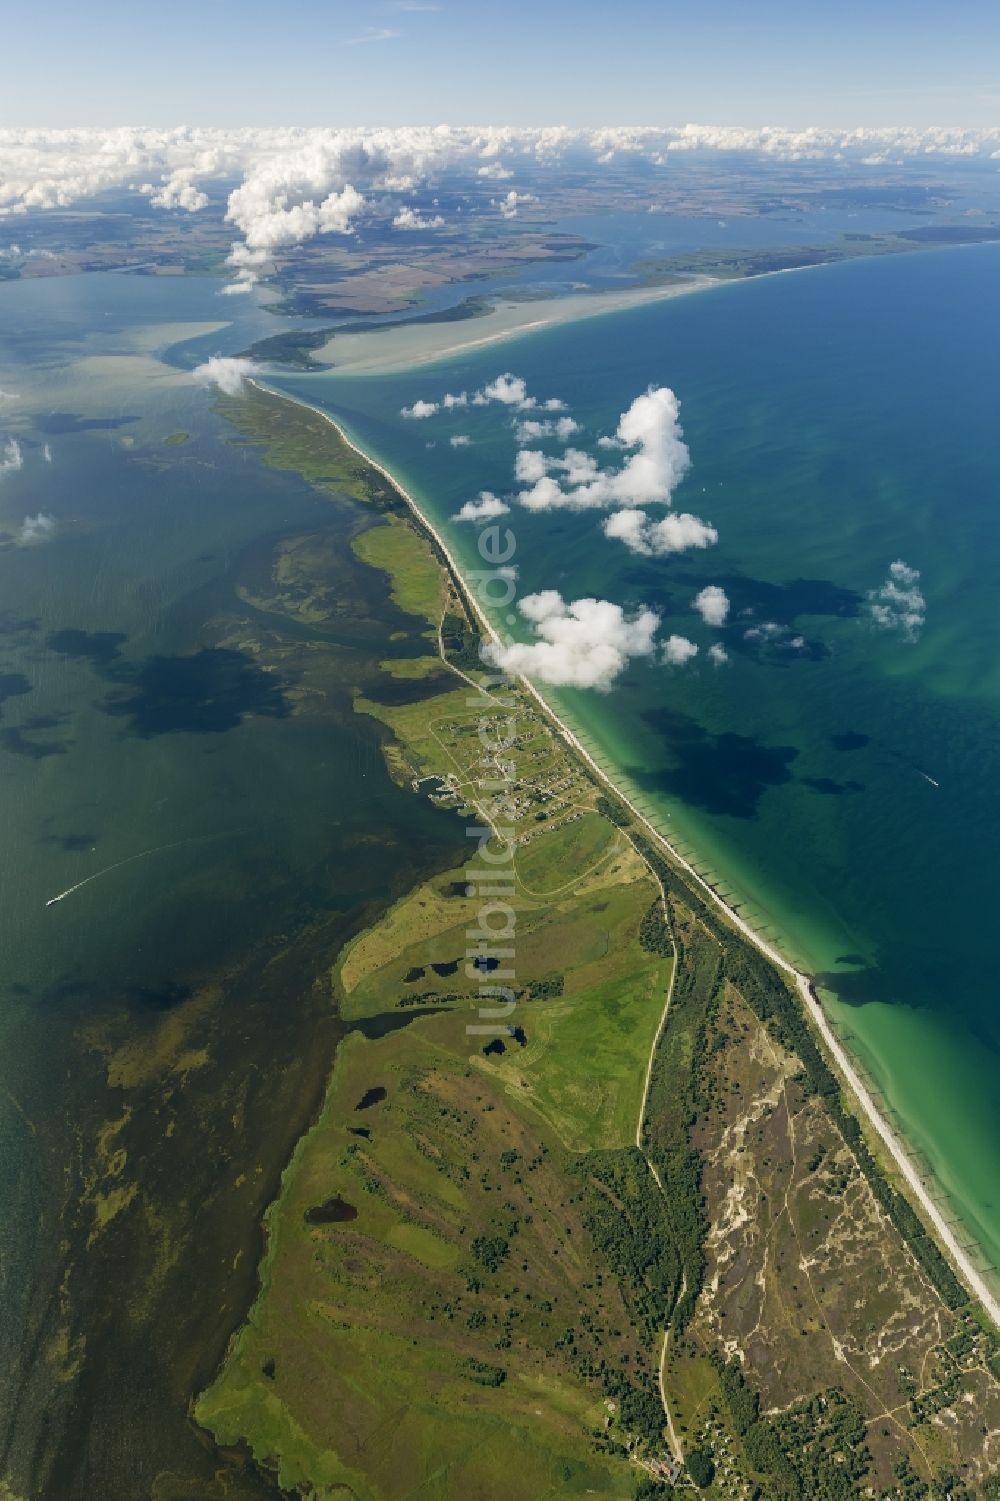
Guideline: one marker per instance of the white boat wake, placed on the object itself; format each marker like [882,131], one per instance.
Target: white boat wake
[155,850]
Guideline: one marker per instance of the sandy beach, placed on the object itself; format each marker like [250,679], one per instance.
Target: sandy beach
[850,1076]
[389,350]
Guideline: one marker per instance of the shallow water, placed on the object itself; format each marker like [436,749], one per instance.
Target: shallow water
[182,766]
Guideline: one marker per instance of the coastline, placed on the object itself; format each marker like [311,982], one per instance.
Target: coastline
[847,1070]
[390,351]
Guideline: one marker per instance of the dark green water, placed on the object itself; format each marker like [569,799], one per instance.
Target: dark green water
[167,1028]
[837,420]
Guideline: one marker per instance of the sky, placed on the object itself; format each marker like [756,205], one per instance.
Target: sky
[528,62]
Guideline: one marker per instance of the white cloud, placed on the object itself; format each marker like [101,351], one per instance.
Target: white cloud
[651,427]
[712,605]
[12,457]
[584,643]
[460,440]
[47,453]
[485,506]
[509,204]
[531,428]
[177,190]
[267,227]
[36,529]
[509,390]
[675,533]
[409,218]
[677,650]
[899,604]
[772,633]
[224,371]
[496,172]
[717,654]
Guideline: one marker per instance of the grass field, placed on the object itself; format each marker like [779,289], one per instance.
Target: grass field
[417,580]
[427,1336]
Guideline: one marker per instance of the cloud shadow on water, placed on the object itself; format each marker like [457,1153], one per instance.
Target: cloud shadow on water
[778,650]
[758,599]
[99,647]
[726,774]
[209,692]
[19,744]
[73,844]
[856,987]
[849,740]
[13,685]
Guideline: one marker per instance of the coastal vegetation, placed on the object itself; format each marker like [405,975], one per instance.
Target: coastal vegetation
[535,1257]
[733,264]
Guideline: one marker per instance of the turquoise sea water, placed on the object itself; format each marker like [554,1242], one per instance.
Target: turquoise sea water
[838,420]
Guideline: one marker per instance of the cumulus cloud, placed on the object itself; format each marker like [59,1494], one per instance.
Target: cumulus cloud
[678,532]
[717,654]
[225,371]
[677,650]
[712,605]
[529,429]
[11,457]
[899,604]
[460,440]
[36,529]
[496,171]
[583,643]
[650,474]
[768,630]
[781,638]
[410,218]
[47,453]
[509,204]
[509,390]
[271,210]
[177,189]
[483,508]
